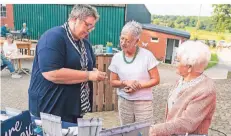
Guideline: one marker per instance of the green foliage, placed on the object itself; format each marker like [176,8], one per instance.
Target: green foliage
[207,42]
[209,35]
[156,21]
[109,44]
[221,37]
[206,23]
[171,24]
[216,27]
[213,61]
[222,17]
[219,22]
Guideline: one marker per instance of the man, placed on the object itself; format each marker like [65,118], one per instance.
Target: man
[4,30]
[62,67]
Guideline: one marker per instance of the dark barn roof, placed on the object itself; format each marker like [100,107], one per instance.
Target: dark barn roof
[166,30]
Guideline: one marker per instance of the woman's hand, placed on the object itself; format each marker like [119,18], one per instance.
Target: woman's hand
[132,85]
[8,54]
[97,75]
[128,90]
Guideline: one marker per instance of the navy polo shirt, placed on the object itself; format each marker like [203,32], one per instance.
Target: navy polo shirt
[54,51]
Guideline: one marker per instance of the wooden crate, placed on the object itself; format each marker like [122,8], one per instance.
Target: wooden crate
[104,96]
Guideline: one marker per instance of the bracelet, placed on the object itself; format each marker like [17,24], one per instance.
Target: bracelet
[87,78]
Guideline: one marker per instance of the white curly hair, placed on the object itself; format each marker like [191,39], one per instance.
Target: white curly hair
[195,54]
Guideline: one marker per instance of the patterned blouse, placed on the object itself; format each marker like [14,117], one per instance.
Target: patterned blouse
[181,86]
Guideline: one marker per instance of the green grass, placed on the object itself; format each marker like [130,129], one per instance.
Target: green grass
[229,75]
[213,61]
[207,35]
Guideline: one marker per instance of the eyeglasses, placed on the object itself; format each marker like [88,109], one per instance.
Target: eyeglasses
[90,27]
[125,40]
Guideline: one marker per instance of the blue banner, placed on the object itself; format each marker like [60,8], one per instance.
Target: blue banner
[20,125]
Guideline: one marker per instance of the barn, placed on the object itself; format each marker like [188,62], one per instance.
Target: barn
[41,17]
[162,41]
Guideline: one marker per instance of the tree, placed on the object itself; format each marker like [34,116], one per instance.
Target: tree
[205,23]
[171,24]
[182,25]
[202,26]
[198,25]
[156,21]
[178,20]
[222,17]
[193,21]
[187,21]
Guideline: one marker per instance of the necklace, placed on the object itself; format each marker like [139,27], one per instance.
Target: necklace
[129,62]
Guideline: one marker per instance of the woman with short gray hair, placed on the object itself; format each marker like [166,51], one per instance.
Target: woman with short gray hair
[24,31]
[191,104]
[134,72]
[64,68]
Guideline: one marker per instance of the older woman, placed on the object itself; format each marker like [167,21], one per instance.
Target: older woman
[191,104]
[24,31]
[134,72]
[63,68]
[9,50]
[9,46]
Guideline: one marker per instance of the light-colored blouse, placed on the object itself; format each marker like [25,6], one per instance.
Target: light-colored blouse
[180,86]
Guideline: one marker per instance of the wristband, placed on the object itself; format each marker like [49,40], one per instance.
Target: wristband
[87,78]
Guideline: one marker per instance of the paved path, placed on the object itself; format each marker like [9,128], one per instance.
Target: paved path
[14,94]
[220,71]
[225,58]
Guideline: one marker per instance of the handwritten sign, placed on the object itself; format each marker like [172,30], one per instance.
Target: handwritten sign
[20,125]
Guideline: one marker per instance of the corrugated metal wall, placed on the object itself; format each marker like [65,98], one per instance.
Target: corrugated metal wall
[109,25]
[41,17]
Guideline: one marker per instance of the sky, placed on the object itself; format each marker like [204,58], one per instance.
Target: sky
[180,9]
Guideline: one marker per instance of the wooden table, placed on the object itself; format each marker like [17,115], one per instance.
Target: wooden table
[16,34]
[18,58]
[24,45]
[21,45]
